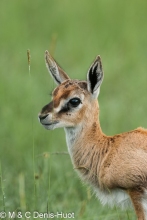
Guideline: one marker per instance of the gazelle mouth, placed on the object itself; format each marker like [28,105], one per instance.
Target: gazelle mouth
[48,124]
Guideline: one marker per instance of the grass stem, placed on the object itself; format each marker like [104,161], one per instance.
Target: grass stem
[33,146]
[2,188]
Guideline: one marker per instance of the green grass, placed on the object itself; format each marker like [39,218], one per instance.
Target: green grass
[32,178]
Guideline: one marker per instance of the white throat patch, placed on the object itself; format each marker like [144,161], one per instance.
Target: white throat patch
[71,136]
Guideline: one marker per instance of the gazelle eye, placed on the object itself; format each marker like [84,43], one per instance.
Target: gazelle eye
[74,102]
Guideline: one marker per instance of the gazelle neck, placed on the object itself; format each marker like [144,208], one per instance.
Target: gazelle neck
[84,133]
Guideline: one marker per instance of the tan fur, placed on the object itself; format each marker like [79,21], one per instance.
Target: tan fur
[110,164]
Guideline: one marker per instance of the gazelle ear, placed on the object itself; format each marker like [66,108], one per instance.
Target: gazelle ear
[95,77]
[55,70]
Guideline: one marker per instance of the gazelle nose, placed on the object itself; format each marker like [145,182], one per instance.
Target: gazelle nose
[41,117]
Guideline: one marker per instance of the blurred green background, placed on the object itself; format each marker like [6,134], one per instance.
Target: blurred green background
[32,176]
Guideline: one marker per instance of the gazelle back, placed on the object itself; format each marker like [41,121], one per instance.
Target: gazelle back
[115,166]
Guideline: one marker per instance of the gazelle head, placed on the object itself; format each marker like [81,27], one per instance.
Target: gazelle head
[72,100]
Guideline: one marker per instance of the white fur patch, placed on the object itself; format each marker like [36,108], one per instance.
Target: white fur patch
[144,204]
[71,135]
[114,198]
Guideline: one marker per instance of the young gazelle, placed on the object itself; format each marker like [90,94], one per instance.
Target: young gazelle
[115,166]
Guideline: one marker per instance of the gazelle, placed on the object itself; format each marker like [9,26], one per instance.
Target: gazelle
[115,166]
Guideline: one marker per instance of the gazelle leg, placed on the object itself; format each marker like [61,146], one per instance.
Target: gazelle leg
[136,196]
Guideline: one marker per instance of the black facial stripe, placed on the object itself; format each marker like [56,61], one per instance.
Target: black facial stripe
[73,103]
[64,109]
